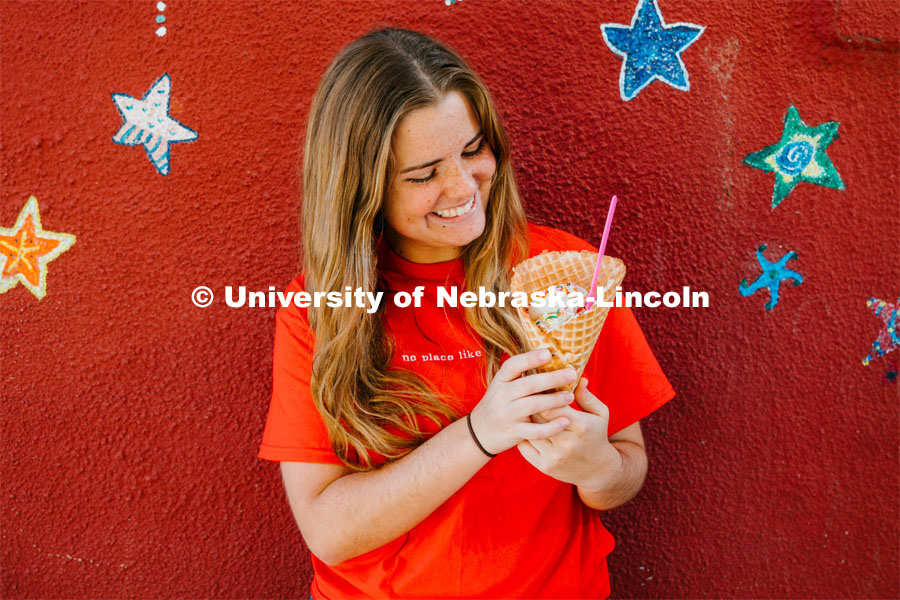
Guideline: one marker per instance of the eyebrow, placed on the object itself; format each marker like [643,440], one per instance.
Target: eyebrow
[434,162]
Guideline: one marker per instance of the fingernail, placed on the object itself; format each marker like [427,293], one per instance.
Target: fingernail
[545,354]
[570,396]
[571,375]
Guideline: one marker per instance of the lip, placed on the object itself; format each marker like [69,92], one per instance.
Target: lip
[461,217]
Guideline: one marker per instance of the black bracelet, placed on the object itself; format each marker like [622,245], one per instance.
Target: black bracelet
[474,437]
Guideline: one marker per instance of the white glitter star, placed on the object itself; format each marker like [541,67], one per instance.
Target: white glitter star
[147,122]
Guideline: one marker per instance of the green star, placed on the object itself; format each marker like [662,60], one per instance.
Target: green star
[799,156]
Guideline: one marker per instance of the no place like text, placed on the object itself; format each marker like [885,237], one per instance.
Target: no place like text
[464,354]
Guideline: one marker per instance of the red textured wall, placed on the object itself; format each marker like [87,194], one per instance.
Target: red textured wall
[131,418]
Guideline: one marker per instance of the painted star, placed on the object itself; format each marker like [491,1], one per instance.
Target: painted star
[888,338]
[26,249]
[147,122]
[772,276]
[650,49]
[799,156]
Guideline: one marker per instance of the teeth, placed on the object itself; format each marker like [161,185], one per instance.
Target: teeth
[455,212]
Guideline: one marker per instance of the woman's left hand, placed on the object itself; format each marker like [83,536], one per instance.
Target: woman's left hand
[581,454]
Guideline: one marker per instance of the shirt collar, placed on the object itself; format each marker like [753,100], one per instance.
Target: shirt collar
[391,262]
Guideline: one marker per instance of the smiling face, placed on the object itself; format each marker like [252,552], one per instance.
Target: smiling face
[436,198]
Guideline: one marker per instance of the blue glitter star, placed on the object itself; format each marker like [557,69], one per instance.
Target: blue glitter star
[650,49]
[772,276]
[147,122]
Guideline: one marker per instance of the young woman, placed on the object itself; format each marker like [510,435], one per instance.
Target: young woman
[421,455]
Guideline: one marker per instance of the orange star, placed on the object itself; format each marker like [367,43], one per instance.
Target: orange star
[26,248]
[23,250]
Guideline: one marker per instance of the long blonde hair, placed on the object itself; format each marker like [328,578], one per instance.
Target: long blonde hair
[371,85]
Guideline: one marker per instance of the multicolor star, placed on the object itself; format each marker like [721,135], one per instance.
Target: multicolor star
[147,122]
[799,156]
[26,249]
[772,276]
[888,338]
[650,49]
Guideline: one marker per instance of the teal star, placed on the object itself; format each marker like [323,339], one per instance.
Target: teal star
[799,156]
[772,276]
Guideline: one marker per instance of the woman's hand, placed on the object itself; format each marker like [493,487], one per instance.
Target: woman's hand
[581,454]
[502,418]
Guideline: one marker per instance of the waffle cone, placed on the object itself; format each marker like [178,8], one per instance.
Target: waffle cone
[572,342]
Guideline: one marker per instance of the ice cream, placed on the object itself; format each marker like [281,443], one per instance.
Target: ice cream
[557,305]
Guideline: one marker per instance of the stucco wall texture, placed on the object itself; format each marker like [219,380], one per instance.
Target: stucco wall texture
[131,418]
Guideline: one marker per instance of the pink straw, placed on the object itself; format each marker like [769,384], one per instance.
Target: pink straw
[609,217]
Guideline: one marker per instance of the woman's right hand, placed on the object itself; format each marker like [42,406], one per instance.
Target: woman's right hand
[502,418]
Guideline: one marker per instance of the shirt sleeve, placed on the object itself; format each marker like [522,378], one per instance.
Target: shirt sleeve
[294,428]
[623,372]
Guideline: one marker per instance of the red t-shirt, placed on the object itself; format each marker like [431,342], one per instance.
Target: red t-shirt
[510,531]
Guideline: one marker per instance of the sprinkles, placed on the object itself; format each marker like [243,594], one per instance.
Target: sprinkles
[555,309]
